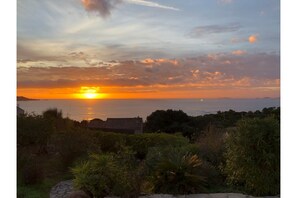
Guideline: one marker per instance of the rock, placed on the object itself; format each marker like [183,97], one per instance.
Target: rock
[218,195]
[236,195]
[198,196]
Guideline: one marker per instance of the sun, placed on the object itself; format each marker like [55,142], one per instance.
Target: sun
[89,93]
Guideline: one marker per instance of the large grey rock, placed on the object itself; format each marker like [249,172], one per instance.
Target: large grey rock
[62,189]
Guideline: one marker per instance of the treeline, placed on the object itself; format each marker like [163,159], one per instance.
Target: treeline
[173,121]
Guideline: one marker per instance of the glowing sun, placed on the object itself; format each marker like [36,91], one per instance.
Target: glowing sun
[90,92]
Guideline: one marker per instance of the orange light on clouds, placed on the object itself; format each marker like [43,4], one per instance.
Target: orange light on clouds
[239,52]
[253,38]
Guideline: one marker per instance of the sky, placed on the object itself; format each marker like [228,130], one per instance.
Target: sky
[148,48]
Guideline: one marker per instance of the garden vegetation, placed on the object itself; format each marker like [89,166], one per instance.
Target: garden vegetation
[178,154]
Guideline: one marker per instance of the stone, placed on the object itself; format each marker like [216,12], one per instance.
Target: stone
[236,195]
[218,195]
[198,196]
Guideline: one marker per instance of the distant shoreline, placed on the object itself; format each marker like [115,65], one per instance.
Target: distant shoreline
[224,98]
[22,98]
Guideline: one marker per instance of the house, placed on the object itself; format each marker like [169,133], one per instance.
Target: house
[120,125]
[20,111]
[96,124]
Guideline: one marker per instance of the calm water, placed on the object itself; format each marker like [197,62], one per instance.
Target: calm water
[89,109]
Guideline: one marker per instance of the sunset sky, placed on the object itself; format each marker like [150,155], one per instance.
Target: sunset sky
[148,48]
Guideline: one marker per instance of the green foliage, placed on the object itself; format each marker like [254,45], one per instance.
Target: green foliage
[104,175]
[140,143]
[175,170]
[73,145]
[110,142]
[211,145]
[39,190]
[32,173]
[52,114]
[33,130]
[169,121]
[253,156]
[49,144]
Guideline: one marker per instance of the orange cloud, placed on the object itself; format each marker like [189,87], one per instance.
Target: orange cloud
[161,60]
[154,76]
[253,38]
[239,52]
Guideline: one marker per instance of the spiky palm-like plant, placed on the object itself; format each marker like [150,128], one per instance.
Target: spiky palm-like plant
[178,172]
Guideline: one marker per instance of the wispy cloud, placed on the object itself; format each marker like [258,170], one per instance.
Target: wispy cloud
[213,29]
[104,7]
[151,4]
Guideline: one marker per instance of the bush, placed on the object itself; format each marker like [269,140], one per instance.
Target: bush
[109,141]
[104,175]
[140,143]
[175,171]
[73,145]
[169,121]
[211,145]
[32,172]
[253,156]
[33,130]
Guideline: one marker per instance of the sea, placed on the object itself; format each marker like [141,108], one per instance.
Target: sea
[128,108]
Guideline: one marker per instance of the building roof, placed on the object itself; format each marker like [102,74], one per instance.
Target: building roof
[96,123]
[124,123]
[20,111]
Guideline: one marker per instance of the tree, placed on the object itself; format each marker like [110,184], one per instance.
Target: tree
[52,113]
[169,121]
[33,130]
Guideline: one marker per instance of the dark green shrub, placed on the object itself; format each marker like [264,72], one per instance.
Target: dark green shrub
[104,175]
[109,141]
[73,145]
[140,143]
[32,172]
[169,121]
[175,171]
[211,145]
[32,130]
[253,156]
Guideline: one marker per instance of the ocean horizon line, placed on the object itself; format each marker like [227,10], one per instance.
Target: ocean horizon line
[83,99]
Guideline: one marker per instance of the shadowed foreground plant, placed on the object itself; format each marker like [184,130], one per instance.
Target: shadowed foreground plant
[175,171]
[253,156]
[104,176]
